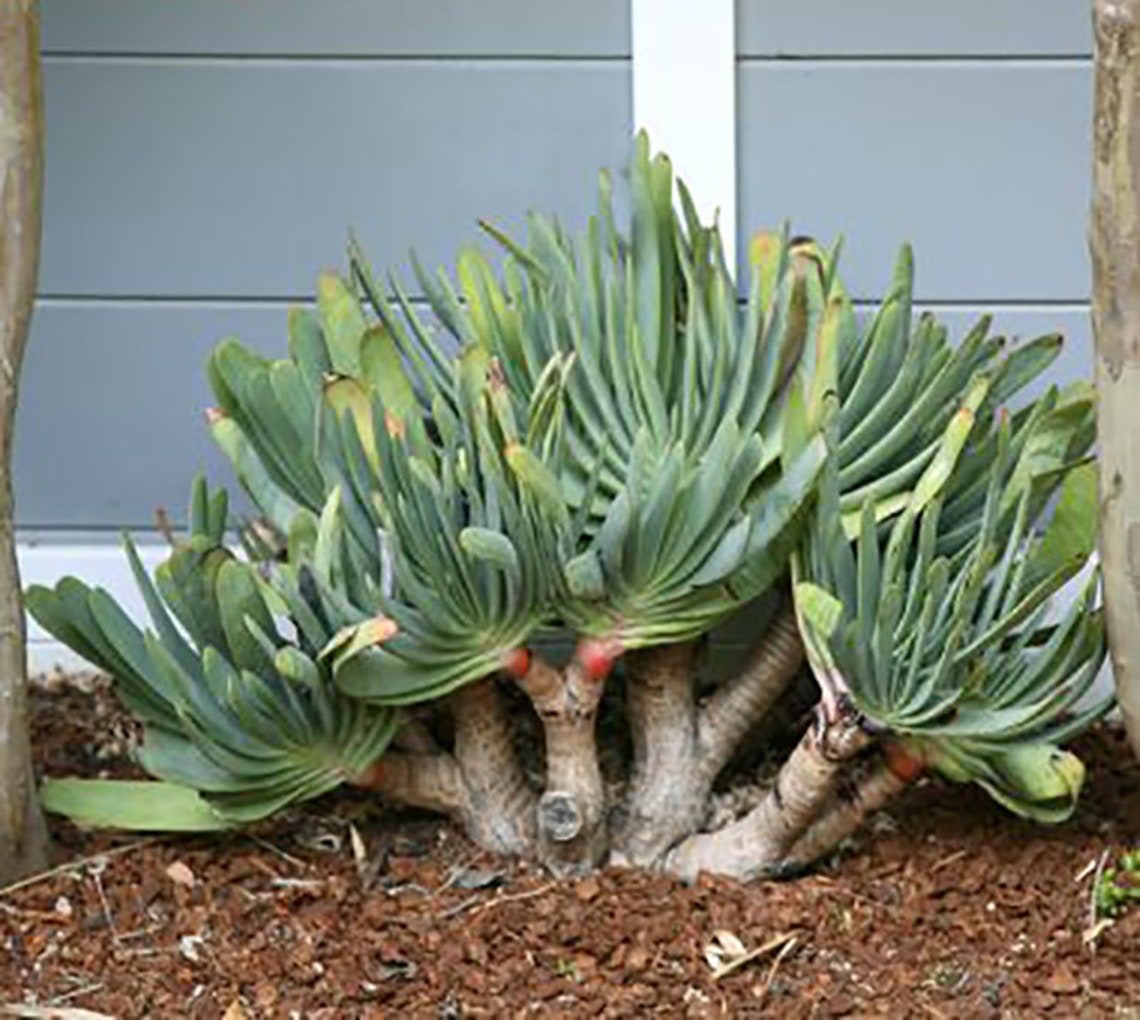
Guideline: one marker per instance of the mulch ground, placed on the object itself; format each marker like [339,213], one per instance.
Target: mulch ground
[946,908]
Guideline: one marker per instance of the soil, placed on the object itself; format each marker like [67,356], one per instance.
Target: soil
[947,907]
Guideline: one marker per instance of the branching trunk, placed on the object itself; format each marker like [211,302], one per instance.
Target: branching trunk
[424,780]
[742,702]
[847,812]
[1115,244]
[481,784]
[23,840]
[758,842]
[679,749]
[571,815]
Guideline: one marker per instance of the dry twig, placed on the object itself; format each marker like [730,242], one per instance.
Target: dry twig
[771,945]
[785,949]
[79,862]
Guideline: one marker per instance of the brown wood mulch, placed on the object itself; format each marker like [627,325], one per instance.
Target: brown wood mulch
[947,908]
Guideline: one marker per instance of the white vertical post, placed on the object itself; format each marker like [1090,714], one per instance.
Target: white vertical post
[684,95]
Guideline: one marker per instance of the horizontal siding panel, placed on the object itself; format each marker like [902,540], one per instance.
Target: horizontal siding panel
[110,422]
[168,178]
[773,28]
[984,168]
[336,27]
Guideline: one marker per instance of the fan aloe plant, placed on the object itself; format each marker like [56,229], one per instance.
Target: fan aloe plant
[600,443]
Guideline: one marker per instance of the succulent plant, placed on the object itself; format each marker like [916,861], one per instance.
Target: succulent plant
[602,439]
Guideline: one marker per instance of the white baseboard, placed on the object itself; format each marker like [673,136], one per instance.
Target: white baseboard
[103,564]
[99,564]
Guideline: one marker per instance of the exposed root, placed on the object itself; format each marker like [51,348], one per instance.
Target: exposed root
[571,814]
[668,791]
[752,845]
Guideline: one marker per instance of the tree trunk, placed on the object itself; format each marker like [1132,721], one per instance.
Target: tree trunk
[1115,246]
[23,840]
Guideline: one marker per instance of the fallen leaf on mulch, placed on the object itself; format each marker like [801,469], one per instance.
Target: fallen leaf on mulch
[1062,982]
[359,851]
[235,1012]
[479,878]
[726,953]
[724,948]
[180,874]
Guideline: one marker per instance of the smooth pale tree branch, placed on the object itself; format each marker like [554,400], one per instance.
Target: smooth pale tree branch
[424,780]
[23,841]
[1115,247]
[848,811]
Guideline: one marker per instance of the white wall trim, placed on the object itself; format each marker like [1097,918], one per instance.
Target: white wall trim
[684,95]
[101,565]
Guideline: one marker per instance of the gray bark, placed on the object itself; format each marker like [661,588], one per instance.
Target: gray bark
[23,838]
[1115,247]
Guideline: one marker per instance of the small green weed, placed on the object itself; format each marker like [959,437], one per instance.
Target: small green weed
[1118,885]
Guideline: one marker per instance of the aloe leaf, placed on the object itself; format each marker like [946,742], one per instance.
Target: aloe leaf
[342,322]
[1072,531]
[128,804]
[267,495]
[240,603]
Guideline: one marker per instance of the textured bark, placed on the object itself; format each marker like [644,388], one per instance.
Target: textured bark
[1115,247]
[680,749]
[498,807]
[847,812]
[572,835]
[669,789]
[744,700]
[757,843]
[23,840]
[424,780]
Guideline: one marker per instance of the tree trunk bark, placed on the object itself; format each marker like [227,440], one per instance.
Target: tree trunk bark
[23,839]
[1115,247]
[571,816]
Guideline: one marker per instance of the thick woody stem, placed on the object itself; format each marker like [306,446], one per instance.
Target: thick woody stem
[752,845]
[668,792]
[847,812]
[740,703]
[498,809]
[430,781]
[415,736]
[571,812]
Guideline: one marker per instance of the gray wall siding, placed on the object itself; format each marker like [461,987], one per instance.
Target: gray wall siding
[336,28]
[849,29]
[182,178]
[983,167]
[206,160]
[111,414]
[964,128]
